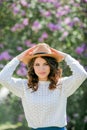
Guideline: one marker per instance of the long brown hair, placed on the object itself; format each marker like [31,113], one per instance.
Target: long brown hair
[53,77]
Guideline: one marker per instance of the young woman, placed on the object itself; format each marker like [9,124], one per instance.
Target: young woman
[44,93]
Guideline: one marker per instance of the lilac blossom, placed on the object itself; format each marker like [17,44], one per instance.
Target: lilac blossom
[71,1]
[28,43]
[85,0]
[76,4]
[49,1]
[76,20]
[43,1]
[5,56]
[23,13]
[67,20]
[62,11]
[13,5]
[19,48]
[16,10]
[54,27]
[45,13]
[22,71]
[36,25]
[64,35]
[57,5]
[25,22]
[24,3]
[80,49]
[17,26]
[67,8]
[20,117]
[43,36]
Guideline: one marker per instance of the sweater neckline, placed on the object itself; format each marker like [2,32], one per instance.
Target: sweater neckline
[43,82]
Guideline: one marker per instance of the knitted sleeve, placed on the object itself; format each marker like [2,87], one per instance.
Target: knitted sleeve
[15,85]
[73,82]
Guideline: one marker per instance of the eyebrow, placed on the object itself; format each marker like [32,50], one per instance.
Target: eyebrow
[39,63]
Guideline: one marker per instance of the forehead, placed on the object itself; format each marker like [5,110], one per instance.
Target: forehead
[39,59]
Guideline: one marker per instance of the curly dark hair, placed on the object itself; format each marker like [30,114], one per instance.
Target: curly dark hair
[53,77]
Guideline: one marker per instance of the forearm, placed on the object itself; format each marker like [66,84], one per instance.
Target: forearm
[76,68]
[8,70]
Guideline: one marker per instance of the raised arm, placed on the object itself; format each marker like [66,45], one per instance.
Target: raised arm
[73,82]
[15,85]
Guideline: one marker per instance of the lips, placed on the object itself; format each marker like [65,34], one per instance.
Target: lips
[42,73]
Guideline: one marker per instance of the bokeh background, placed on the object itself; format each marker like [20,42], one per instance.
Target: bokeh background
[60,23]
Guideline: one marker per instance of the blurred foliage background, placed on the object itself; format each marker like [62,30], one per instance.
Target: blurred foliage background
[62,25]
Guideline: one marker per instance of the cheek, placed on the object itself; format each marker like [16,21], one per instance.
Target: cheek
[35,69]
[48,69]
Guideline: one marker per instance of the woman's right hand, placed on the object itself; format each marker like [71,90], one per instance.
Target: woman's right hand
[22,56]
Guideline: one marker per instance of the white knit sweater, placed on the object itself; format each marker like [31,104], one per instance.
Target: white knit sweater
[44,107]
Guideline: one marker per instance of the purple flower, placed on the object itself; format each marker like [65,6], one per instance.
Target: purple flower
[64,35]
[45,13]
[67,8]
[28,43]
[16,10]
[22,71]
[40,39]
[5,56]
[20,117]
[67,20]
[24,3]
[76,19]
[53,27]
[36,26]
[17,27]
[44,36]
[80,49]
[13,5]
[62,11]
[19,48]
[25,22]
[57,4]
[23,13]
[45,1]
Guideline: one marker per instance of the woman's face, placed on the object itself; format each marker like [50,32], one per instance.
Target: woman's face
[41,68]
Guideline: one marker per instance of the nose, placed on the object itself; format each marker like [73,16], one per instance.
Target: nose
[41,68]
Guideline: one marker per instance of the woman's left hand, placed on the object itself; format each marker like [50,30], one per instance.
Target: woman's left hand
[62,54]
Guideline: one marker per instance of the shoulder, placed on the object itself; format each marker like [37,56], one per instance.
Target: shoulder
[62,81]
